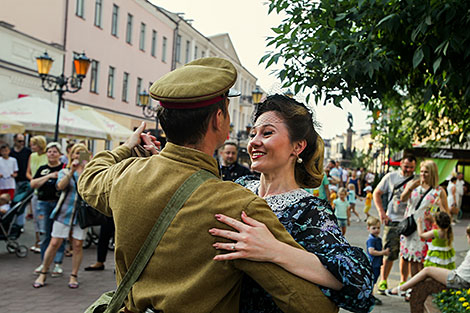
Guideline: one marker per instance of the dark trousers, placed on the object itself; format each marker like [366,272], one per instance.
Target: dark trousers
[106,232]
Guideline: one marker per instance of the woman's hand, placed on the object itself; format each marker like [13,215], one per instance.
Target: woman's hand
[75,164]
[150,143]
[134,139]
[253,241]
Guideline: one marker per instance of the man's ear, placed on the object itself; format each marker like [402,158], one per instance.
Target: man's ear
[217,119]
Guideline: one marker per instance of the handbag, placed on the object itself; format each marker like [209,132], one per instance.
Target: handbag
[408,225]
[86,214]
[113,301]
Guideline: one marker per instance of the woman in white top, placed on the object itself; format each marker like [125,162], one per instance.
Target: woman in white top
[452,197]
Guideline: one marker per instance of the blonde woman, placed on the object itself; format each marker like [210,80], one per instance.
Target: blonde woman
[65,219]
[413,248]
[36,159]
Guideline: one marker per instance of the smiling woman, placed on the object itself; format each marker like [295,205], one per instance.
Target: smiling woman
[288,152]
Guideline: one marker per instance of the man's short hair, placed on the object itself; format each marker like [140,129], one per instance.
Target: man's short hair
[333,162]
[409,157]
[229,143]
[15,136]
[188,127]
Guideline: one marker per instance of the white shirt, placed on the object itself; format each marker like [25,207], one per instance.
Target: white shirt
[386,185]
[450,197]
[7,168]
[334,172]
[459,187]
[464,269]
[345,174]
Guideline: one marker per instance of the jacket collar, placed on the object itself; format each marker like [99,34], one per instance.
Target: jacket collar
[191,157]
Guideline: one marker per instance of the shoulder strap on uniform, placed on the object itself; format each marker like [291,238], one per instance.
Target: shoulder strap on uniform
[154,237]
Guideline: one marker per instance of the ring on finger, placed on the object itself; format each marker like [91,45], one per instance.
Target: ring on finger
[233,247]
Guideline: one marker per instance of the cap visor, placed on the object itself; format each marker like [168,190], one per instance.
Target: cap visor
[234,93]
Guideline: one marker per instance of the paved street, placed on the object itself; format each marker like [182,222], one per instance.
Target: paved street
[18,295]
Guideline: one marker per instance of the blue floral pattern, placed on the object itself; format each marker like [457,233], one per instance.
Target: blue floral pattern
[312,223]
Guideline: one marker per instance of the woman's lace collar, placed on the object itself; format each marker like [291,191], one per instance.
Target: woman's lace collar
[280,201]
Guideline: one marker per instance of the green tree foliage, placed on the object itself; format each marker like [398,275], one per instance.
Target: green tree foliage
[406,60]
[362,159]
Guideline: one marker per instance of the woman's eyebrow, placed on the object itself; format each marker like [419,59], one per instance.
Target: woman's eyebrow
[264,125]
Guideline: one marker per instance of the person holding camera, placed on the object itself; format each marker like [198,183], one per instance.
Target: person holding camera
[64,217]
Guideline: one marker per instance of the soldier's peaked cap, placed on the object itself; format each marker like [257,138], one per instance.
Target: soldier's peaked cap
[197,84]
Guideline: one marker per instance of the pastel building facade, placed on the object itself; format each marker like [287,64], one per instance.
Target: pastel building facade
[131,43]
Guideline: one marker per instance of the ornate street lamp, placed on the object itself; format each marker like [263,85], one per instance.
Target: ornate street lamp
[256,95]
[147,110]
[61,84]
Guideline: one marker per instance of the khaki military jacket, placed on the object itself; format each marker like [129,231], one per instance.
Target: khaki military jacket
[182,275]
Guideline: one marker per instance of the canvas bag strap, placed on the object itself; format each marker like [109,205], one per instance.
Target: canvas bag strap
[154,237]
[422,197]
[399,186]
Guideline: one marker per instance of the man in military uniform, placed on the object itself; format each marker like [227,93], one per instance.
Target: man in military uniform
[182,276]
[230,169]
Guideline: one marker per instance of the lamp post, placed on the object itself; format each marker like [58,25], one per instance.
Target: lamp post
[147,110]
[256,95]
[61,84]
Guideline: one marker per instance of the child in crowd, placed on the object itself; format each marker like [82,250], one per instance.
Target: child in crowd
[352,202]
[368,203]
[440,252]
[374,249]
[333,194]
[8,171]
[341,209]
[4,203]
[442,277]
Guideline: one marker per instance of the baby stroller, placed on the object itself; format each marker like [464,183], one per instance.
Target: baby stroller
[10,231]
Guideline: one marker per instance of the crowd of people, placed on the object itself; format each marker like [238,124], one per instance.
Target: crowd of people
[52,175]
[272,241]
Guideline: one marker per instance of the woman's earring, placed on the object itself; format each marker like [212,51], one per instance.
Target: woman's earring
[299,160]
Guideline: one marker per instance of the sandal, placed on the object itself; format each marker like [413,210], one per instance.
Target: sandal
[408,295]
[399,293]
[74,285]
[37,284]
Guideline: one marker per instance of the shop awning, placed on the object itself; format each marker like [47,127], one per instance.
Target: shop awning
[39,115]
[113,130]
[9,126]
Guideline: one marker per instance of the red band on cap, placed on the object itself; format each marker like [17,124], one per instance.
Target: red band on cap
[190,105]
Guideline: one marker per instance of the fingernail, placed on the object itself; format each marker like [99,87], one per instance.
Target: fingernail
[217,216]
[243,213]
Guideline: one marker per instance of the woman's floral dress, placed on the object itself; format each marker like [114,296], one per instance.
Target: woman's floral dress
[313,225]
[413,248]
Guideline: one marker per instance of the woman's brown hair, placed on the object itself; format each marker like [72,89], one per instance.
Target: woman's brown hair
[301,126]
